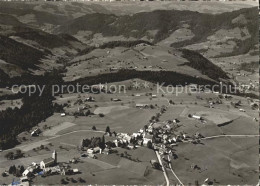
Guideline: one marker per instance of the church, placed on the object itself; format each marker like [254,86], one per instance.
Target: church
[48,162]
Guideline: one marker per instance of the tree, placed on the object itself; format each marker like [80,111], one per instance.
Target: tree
[17,173]
[81,180]
[10,155]
[12,170]
[150,145]
[63,181]
[19,153]
[42,147]
[4,174]
[73,180]
[22,169]
[101,115]
[102,144]
[94,128]
[108,129]
[157,165]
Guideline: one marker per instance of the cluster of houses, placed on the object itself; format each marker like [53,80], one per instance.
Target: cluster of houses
[48,166]
[157,136]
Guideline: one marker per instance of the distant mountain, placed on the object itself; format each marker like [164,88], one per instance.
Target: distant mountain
[162,22]
[40,36]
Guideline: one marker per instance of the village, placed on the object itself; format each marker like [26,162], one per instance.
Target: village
[163,134]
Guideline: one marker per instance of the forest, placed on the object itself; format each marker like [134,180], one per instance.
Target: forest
[34,110]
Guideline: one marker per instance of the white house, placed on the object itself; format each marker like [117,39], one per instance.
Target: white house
[136,134]
[35,132]
[176,121]
[90,151]
[26,172]
[197,117]
[146,139]
[75,170]
[97,150]
[139,105]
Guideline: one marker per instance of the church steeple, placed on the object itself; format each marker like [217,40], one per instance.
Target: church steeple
[54,156]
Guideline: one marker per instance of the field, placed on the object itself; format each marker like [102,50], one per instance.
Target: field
[226,160]
[141,58]
[10,104]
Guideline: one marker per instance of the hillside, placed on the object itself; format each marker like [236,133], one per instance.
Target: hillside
[44,39]
[6,19]
[25,56]
[199,62]
[159,24]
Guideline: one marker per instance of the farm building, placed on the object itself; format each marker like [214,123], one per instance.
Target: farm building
[196,117]
[176,121]
[147,138]
[97,150]
[92,156]
[116,99]
[90,151]
[36,132]
[90,99]
[140,105]
[27,173]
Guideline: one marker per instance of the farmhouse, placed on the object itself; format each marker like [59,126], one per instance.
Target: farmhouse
[35,132]
[90,99]
[140,105]
[136,135]
[27,173]
[106,151]
[196,117]
[90,151]
[176,121]
[92,156]
[150,129]
[116,99]
[146,139]
[97,150]
[113,69]
[193,87]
